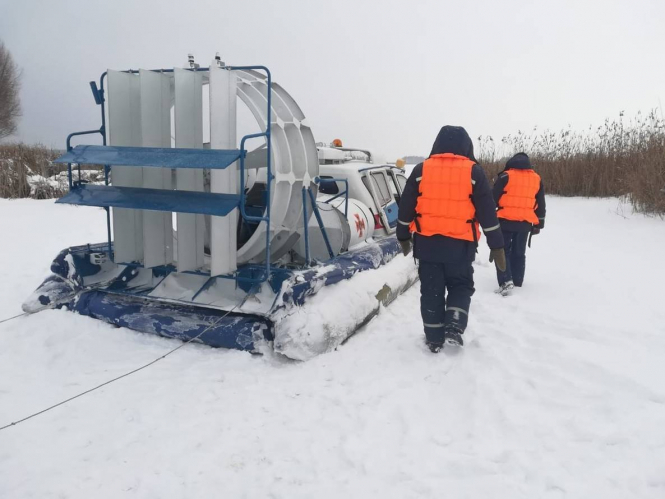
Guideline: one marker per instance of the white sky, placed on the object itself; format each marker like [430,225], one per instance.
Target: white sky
[384,75]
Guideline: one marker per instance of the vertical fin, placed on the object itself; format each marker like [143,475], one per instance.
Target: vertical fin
[124,127]
[189,134]
[223,239]
[156,132]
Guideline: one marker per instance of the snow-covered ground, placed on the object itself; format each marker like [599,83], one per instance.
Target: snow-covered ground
[560,391]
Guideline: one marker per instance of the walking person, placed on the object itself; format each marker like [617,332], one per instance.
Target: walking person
[444,201]
[520,199]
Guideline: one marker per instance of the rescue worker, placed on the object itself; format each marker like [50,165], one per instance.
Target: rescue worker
[520,198]
[444,200]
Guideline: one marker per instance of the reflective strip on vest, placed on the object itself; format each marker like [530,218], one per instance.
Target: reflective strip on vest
[518,203]
[444,204]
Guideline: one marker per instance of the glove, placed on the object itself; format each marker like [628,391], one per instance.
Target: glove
[535,230]
[406,246]
[498,256]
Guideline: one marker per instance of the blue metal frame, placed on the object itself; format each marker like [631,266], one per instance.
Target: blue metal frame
[99,96]
[315,209]
[101,131]
[345,193]
[306,224]
[141,198]
[153,157]
[69,148]
[265,272]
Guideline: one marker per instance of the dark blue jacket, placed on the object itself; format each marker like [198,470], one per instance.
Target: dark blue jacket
[518,162]
[439,248]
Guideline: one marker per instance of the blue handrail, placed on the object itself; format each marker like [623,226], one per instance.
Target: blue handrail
[345,193]
[69,148]
[106,169]
[306,225]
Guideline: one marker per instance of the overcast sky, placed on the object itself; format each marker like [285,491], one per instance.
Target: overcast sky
[383,75]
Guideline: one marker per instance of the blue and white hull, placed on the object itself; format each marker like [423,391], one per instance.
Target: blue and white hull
[301,313]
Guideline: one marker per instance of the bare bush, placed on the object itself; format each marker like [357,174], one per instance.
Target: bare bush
[19,163]
[10,107]
[29,171]
[615,159]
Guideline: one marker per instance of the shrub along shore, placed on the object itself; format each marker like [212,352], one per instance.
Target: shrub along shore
[618,159]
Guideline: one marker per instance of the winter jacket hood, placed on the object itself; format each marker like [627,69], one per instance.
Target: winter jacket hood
[519,162]
[453,140]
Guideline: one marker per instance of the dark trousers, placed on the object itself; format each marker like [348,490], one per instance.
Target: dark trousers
[515,247]
[438,310]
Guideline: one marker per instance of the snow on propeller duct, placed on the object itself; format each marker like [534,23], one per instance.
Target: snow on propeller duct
[235,232]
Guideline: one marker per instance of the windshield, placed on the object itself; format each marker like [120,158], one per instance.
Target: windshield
[328,186]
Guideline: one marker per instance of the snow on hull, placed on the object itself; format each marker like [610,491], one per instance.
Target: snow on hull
[54,291]
[332,315]
[312,311]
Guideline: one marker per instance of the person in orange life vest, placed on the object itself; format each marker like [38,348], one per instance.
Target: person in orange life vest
[520,198]
[444,201]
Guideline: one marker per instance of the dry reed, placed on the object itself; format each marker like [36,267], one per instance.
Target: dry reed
[618,158]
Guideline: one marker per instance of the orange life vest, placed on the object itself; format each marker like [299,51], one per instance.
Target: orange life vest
[444,205]
[518,202]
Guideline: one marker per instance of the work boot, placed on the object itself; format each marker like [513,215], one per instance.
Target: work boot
[434,347]
[506,288]
[454,336]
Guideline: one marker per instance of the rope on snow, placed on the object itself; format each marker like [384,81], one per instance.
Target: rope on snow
[121,376]
[15,317]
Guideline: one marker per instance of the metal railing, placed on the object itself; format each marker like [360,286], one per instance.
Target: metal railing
[99,96]
[344,193]
[100,99]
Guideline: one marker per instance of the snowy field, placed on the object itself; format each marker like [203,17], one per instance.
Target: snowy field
[560,391]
